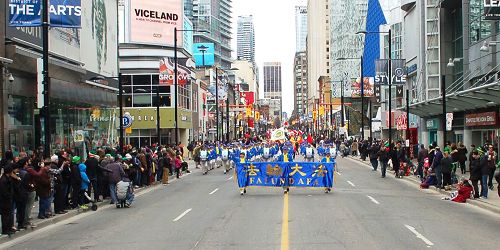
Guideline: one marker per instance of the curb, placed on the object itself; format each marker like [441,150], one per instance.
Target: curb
[74,212]
[477,203]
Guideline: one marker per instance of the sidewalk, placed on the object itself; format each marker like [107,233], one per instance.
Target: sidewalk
[492,203]
[41,223]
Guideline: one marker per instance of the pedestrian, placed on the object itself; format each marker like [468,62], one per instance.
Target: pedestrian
[92,164]
[383,157]
[446,169]
[485,172]
[462,157]
[29,185]
[492,162]
[115,174]
[472,148]
[84,186]
[43,189]
[23,189]
[165,164]
[475,171]
[436,166]
[373,153]
[178,165]
[400,158]
[354,148]
[7,182]
[422,154]
[75,181]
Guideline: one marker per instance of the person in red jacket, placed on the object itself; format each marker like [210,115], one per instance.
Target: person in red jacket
[464,192]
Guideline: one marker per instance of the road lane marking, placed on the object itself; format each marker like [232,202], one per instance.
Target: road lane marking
[284,225]
[338,173]
[419,235]
[230,178]
[213,192]
[182,215]
[373,200]
[350,183]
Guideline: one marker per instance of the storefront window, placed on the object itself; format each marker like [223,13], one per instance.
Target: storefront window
[21,111]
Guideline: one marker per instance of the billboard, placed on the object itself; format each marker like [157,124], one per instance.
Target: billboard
[204,54]
[99,35]
[491,9]
[368,87]
[96,34]
[166,71]
[27,13]
[153,21]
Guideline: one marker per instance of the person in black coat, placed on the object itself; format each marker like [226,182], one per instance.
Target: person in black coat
[75,181]
[373,151]
[21,191]
[383,157]
[92,164]
[7,182]
[475,171]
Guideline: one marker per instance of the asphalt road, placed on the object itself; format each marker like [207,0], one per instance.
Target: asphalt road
[364,211]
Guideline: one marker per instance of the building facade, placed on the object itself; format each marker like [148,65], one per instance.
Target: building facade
[142,60]
[300,28]
[272,86]
[246,73]
[245,49]
[300,83]
[317,47]
[213,16]
[79,104]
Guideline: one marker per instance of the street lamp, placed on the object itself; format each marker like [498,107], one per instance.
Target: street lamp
[176,80]
[362,86]
[486,45]
[390,74]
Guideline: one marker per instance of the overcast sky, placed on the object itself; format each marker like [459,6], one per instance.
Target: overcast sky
[274,22]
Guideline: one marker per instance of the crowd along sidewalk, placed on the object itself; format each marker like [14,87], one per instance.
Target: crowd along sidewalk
[41,223]
[491,204]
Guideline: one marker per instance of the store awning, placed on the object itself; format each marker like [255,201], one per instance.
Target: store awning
[484,96]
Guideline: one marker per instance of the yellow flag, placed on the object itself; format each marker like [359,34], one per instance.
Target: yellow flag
[249,111]
[321,110]
[257,115]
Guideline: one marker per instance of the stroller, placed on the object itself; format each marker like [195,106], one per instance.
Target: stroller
[123,190]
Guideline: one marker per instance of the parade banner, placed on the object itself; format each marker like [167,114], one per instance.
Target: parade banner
[285,174]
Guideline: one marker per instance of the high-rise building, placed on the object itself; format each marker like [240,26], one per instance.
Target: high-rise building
[246,39]
[213,16]
[300,28]
[272,85]
[300,83]
[318,48]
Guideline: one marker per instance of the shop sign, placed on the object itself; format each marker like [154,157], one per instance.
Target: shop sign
[481,119]
[449,121]
[432,124]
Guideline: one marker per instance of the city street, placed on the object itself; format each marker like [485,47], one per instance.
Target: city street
[207,212]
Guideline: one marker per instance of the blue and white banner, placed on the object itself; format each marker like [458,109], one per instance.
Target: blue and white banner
[28,13]
[285,174]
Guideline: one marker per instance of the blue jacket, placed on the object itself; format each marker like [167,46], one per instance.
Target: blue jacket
[85,178]
[281,158]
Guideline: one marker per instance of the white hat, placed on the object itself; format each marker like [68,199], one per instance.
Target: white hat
[54,158]
[128,157]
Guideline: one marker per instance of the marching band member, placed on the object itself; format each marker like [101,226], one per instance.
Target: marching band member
[225,159]
[309,153]
[242,159]
[285,157]
[328,159]
[204,159]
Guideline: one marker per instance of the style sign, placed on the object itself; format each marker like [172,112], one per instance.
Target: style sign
[398,71]
[28,13]
[153,21]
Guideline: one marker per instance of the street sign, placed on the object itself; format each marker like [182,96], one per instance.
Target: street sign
[127,120]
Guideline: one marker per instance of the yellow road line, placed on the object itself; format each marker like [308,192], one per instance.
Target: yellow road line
[284,227]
